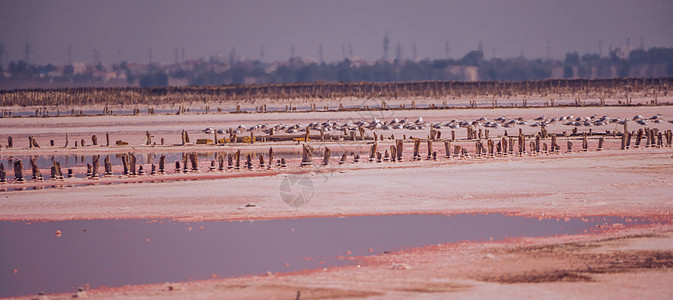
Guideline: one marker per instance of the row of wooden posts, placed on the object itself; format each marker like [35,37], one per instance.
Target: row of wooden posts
[328,90]
[189,163]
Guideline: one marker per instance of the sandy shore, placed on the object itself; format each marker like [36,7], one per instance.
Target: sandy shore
[617,263]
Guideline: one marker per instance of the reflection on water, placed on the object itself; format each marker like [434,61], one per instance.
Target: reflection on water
[34,258]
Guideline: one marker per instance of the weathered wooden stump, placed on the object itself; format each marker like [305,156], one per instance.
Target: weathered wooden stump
[162,161]
[36,171]
[343,159]
[51,143]
[429,142]
[237,158]
[447,149]
[154,170]
[132,166]
[220,162]
[306,155]
[283,163]
[18,171]
[230,161]
[372,152]
[212,166]
[95,159]
[600,144]
[399,144]
[10,143]
[107,139]
[94,140]
[585,143]
[270,157]
[185,163]
[453,135]
[262,163]
[417,146]
[378,157]
[356,158]
[3,174]
[570,147]
[194,160]
[537,144]
[82,143]
[326,156]
[141,171]
[177,167]
[148,138]
[71,174]
[248,161]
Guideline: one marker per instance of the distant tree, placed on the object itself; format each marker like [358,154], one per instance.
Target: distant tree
[158,79]
[568,72]
[473,58]
[572,58]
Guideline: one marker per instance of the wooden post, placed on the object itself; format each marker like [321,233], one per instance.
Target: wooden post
[94,140]
[248,161]
[185,163]
[133,164]
[230,161]
[429,150]
[193,159]
[283,163]
[570,147]
[585,144]
[378,156]
[372,152]
[270,157]
[447,148]
[94,169]
[600,144]
[453,135]
[107,139]
[125,163]
[417,146]
[220,162]
[400,149]
[18,171]
[343,159]
[306,155]
[148,138]
[3,174]
[326,156]
[10,143]
[177,166]
[36,171]
[162,161]
[237,158]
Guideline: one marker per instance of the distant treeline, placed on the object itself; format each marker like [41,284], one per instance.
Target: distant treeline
[651,63]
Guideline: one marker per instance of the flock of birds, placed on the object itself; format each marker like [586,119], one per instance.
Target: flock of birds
[420,124]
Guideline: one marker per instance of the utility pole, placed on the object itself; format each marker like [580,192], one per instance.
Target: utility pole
[386,44]
[350,50]
[261,53]
[150,56]
[600,48]
[413,51]
[182,57]
[398,51]
[291,51]
[343,52]
[548,51]
[2,55]
[642,43]
[320,53]
[446,50]
[27,51]
[481,47]
[175,54]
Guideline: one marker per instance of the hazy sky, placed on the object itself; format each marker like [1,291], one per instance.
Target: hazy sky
[125,30]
